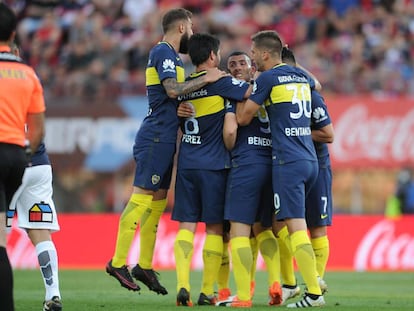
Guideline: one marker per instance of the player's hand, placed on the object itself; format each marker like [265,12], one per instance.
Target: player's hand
[185,110]
[214,74]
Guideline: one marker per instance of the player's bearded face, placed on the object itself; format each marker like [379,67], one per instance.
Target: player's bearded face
[184,43]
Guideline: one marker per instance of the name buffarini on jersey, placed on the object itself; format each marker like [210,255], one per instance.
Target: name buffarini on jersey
[292,78]
[297,131]
[191,139]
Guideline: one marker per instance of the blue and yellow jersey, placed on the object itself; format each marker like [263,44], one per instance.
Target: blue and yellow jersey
[320,118]
[286,93]
[202,145]
[161,122]
[254,141]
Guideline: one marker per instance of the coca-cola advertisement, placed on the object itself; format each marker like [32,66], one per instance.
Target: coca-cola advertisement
[360,243]
[372,132]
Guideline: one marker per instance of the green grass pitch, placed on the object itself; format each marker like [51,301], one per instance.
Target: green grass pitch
[93,290]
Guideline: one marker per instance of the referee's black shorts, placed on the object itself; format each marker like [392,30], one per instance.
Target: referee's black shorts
[13,162]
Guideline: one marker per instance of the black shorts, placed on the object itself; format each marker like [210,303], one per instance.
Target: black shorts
[12,165]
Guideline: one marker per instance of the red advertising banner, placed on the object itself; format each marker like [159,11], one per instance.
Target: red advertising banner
[372,132]
[87,241]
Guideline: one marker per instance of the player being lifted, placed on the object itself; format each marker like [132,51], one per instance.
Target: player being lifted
[154,150]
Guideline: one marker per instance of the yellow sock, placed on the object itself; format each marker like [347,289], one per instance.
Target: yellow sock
[305,259]
[183,252]
[130,217]
[242,259]
[321,248]
[224,271]
[148,232]
[255,252]
[270,252]
[287,271]
[212,256]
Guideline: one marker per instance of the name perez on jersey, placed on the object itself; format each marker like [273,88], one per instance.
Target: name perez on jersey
[297,131]
[259,141]
[191,139]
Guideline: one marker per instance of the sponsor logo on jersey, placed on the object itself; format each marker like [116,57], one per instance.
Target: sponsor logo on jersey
[195,94]
[319,114]
[155,179]
[40,212]
[168,65]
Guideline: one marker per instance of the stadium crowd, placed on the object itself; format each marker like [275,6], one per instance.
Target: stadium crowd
[97,49]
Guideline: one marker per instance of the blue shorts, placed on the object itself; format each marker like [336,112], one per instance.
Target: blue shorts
[249,195]
[199,196]
[154,163]
[319,200]
[291,184]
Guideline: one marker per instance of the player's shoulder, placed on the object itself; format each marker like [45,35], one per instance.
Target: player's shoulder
[162,48]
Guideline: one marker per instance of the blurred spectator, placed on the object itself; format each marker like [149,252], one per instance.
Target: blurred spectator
[402,201]
[353,46]
[405,190]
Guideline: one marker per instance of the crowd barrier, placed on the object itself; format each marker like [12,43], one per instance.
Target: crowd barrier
[86,241]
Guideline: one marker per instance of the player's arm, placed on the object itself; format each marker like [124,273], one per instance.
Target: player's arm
[35,129]
[248,91]
[175,89]
[318,85]
[245,111]
[185,110]
[230,128]
[324,134]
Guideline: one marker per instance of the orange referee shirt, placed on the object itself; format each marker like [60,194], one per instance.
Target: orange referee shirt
[20,93]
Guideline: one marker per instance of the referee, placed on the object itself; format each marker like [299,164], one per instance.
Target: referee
[21,104]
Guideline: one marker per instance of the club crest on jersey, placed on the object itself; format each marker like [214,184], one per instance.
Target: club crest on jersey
[155,179]
[40,212]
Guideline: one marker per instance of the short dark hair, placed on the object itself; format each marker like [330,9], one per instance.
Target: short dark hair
[8,22]
[200,46]
[268,40]
[238,53]
[288,56]
[174,15]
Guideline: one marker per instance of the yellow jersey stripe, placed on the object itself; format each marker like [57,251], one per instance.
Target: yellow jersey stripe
[152,77]
[286,93]
[207,105]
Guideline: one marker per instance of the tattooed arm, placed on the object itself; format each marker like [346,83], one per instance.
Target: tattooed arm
[174,88]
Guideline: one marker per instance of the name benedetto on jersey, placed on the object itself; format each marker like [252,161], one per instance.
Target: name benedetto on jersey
[202,145]
[161,122]
[286,93]
[320,118]
[254,141]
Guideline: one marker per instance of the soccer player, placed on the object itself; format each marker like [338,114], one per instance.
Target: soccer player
[286,93]
[22,102]
[37,215]
[249,198]
[154,150]
[319,199]
[203,163]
